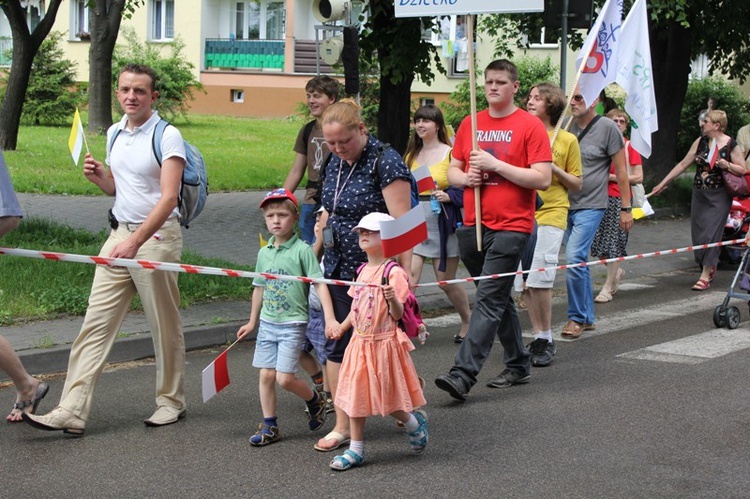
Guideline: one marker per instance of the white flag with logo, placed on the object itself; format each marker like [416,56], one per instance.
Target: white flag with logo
[635,76]
[600,51]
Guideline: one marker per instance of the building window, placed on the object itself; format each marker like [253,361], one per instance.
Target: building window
[359,12]
[700,67]
[79,18]
[260,20]
[539,43]
[238,96]
[162,19]
[426,101]
[239,27]
[445,28]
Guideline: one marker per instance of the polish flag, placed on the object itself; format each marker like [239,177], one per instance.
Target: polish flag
[424,179]
[713,154]
[403,233]
[215,376]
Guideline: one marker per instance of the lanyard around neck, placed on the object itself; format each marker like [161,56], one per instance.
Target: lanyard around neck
[337,193]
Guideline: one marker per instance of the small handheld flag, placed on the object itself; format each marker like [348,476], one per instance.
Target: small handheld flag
[713,154]
[75,141]
[403,233]
[215,376]
[424,179]
[645,211]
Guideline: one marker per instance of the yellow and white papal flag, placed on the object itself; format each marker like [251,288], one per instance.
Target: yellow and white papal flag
[75,141]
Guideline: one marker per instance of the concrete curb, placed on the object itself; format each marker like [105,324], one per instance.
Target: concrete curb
[140,346]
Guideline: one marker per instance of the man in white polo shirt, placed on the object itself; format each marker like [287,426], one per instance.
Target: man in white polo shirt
[145,226]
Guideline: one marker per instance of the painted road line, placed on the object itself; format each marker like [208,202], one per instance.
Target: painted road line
[695,349]
[633,318]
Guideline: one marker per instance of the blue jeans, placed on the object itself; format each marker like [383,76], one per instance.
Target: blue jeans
[494,311]
[307,222]
[582,226]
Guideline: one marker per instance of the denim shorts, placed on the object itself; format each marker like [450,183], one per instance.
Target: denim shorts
[315,335]
[277,346]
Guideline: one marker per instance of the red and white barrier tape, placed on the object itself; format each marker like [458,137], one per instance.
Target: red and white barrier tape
[198,269]
[167,266]
[592,262]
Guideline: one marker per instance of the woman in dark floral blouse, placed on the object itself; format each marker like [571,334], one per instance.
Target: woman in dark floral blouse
[363,176]
[711,153]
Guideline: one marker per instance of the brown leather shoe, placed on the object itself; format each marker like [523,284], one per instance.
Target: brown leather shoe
[58,419]
[572,329]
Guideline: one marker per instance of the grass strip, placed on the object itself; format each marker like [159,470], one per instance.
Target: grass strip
[33,289]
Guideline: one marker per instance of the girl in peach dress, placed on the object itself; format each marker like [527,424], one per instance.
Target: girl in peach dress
[377,374]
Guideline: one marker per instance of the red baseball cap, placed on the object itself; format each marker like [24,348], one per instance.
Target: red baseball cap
[279,194]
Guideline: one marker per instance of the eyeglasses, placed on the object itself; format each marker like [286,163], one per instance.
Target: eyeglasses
[578,98]
[620,120]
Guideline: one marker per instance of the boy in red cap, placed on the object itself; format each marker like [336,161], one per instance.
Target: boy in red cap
[281,308]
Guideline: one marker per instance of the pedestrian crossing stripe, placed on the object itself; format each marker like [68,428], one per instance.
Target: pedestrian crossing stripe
[695,349]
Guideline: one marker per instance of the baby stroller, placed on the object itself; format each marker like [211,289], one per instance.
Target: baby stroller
[724,315]
[736,227]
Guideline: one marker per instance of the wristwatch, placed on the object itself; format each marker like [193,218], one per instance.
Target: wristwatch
[626,209]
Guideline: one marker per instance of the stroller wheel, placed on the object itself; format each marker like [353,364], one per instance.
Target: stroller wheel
[733,317]
[720,316]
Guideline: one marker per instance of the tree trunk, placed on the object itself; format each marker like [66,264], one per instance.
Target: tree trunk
[399,59]
[25,47]
[105,27]
[394,114]
[670,54]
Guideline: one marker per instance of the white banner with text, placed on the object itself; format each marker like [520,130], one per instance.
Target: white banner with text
[428,8]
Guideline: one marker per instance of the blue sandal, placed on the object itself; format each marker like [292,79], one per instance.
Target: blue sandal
[419,437]
[347,460]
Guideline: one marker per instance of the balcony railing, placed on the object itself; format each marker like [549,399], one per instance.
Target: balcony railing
[253,54]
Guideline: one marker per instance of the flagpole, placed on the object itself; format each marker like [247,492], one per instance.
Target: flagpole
[558,125]
[474,141]
[86,142]
[233,344]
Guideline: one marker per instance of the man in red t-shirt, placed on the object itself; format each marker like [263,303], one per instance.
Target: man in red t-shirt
[514,159]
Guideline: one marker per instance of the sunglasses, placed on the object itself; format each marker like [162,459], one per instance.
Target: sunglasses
[578,98]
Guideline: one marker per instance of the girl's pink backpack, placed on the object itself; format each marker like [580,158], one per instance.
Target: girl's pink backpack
[412,318]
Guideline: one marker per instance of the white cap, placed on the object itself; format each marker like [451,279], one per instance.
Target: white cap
[372,222]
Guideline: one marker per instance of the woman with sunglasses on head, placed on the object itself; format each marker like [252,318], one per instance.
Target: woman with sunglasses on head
[429,146]
[610,240]
[713,152]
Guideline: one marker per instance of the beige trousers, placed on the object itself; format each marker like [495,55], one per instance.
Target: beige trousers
[111,295]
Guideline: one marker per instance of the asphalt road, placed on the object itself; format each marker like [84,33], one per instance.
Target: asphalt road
[654,403]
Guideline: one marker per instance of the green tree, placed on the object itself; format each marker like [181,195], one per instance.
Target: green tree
[397,46]
[531,70]
[679,31]
[728,98]
[26,43]
[52,96]
[105,17]
[176,80]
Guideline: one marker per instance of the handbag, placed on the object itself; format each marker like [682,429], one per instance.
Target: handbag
[637,191]
[736,185]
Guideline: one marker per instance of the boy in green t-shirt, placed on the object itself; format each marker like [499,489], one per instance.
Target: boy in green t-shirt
[280,306]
